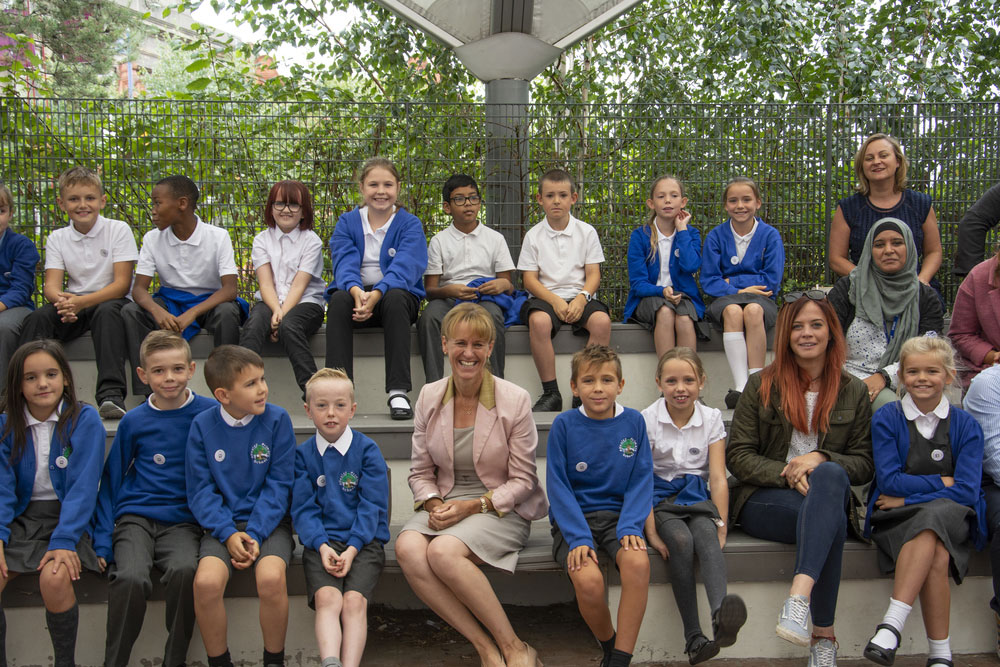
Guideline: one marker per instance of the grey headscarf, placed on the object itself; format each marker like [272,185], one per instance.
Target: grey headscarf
[889,299]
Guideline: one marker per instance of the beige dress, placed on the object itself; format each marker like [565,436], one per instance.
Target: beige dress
[495,540]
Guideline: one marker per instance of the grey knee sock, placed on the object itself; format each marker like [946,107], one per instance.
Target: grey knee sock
[62,630]
[681,567]
[710,559]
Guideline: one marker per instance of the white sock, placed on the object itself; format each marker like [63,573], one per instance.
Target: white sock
[939,648]
[735,345]
[397,399]
[754,370]
[895,616]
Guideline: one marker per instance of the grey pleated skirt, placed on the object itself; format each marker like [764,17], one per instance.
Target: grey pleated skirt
[893,528]
[29,538]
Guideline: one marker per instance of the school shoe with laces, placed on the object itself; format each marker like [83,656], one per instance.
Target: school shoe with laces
[112,408]
[823,653]
[793,621]
[549,401]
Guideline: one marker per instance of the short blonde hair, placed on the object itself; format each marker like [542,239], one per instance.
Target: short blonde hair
[684,354]
[79,176]
[472,314]
[329,374]
[859,163]
[594,355]
[160,340]
[929,344]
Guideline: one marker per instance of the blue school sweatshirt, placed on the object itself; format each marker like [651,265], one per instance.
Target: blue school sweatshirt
[18,261]
[593,465]
[144,473]
[403,259]
[75,468]
[341,497]
[241,473]
[763,263]
[643,272]
[891,446]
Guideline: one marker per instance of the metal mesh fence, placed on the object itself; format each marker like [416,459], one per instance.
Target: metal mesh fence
[800,155]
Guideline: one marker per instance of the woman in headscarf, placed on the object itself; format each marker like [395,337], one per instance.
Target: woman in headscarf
[881,304]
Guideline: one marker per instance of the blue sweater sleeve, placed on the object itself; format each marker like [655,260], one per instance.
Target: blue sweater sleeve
[564,508]
[8,484]
[275,497]
[307,513]
[119,459]
[373,504]
[24,260]
[204,497]
[82,476]
[639,266]
[774,262]
[890,444]
[405,269]
[638,500]
[688,242]
[967,450]
[712,282]
[346,249]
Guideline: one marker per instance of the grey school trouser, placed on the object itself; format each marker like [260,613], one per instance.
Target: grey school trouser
[429,337]
[139,544]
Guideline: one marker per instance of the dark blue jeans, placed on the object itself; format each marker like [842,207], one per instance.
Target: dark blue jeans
[993,524]
[816,523]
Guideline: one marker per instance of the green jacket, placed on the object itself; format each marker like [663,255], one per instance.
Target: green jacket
[759,438]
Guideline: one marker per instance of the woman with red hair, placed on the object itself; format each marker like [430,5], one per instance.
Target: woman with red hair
[800,437]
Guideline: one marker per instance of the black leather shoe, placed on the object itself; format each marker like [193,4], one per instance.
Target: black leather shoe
[728,619]
[700,648]
[550,401]
[732,398]
[400,413]
[883,656]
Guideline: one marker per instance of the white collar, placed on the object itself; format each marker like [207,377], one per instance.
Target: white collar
[342,444]
[76,235]
[233,421]
[663,415]
[618,410]
[366,227]
[912,412]
[292,236]
[187,402]
[194,239]
[31,421]
[567,231]
[460,234]
[746,236]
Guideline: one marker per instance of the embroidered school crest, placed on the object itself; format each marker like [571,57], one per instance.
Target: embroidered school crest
[627,447]
[348,481]
[260,453]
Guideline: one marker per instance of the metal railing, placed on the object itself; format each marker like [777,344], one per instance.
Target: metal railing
[800,155]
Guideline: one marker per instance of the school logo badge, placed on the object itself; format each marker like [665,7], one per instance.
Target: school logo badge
[348,481]
[260,453]
[627,447]
[67,450]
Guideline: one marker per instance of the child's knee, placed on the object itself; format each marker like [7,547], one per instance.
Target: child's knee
[270,576]
[665,316]
[55,586]
[588,582]
[633,566]
[732,315]
[210,580]
[330,598]
[539,322]
[684,322]
[753,314]
[942,559]
[355,604]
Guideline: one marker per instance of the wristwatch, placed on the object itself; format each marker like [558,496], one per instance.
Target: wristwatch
[483,507]
[587,295]
[719,522]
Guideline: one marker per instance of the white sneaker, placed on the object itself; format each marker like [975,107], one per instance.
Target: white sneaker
[823,653]
[793,621]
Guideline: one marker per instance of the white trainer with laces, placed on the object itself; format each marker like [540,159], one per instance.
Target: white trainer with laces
[823,653]
[793,621]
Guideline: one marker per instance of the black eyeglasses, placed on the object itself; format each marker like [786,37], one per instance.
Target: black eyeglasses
[460,200]
[811,294]
[288,206]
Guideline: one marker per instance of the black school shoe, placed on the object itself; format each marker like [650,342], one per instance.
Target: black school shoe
[732,398]
[700,648]
[728,619]
[400,413]
[549,401]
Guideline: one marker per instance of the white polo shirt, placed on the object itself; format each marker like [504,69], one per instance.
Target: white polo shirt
[298,250]
[560,256]
[371,267]
[89,259]
[743,242]
[682,451]
[195,265]
[460,258]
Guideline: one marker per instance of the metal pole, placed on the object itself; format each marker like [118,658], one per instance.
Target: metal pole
[506,167]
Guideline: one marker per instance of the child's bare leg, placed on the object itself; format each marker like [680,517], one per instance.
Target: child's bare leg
[599,327]
[634,569]
[913,566]
[61,614]
[451,561]
[56,589]
[329,602]
[273,593]
[753,324]
[355,621]
[209,607]
[540,340]
[686,337]
[411,551]
[935,596]
[588,583]
[732,318]
[663,330]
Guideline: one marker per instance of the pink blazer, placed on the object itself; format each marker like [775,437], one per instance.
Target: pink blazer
[975,319]
[503,449]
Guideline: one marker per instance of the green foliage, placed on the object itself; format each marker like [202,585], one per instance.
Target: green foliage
[76,43]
